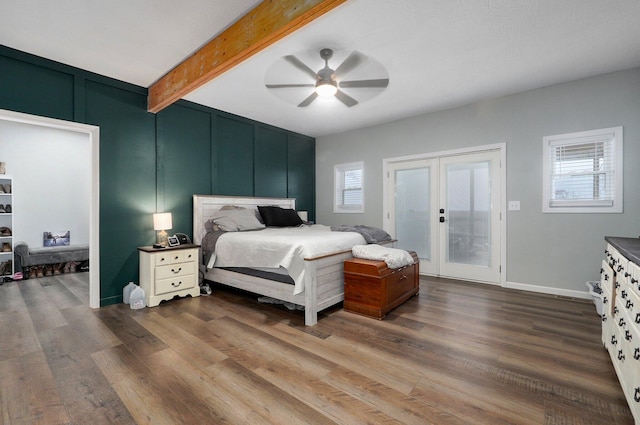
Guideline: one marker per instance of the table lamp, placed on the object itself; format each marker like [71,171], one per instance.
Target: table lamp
[162,222]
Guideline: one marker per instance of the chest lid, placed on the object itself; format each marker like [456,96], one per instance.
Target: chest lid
[371,267]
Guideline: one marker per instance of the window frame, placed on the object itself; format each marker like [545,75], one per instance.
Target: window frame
[614,139]
[338,187]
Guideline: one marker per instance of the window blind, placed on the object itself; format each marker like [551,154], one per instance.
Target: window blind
[582,173]
[349,191]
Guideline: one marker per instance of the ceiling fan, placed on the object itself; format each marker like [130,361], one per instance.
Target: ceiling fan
[328,82]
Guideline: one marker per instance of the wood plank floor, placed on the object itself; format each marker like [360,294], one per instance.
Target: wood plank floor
[458,353]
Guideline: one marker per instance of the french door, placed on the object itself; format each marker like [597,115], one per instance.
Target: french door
[447,209]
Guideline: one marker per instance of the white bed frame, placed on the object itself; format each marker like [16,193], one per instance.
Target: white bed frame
[324,275]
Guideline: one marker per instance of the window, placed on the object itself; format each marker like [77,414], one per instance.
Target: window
[582,172]
[349,188]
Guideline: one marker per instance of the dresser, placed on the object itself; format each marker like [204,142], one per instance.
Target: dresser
[169,272]
[619,276]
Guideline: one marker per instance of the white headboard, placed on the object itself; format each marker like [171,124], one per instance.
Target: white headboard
[205,205]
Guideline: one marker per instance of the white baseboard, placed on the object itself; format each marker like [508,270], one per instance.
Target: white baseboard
[533,288]
[548,290]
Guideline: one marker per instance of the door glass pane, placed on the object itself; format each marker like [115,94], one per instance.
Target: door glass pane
[412,211]
[468,213]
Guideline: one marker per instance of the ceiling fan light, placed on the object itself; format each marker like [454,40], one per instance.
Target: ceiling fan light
[326,88]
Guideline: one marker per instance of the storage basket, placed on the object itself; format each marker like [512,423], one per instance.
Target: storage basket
[596,293]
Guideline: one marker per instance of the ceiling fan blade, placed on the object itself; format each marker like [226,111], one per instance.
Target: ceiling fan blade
[301,66]
[353,60]
[308,100]
[346,99]
[382,82]
[281,86]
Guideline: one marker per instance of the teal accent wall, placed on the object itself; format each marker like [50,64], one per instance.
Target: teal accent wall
[234,156]
[152,163]
[270,173]
[301,172]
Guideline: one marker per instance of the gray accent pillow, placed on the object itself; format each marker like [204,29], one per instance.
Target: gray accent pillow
[234,220]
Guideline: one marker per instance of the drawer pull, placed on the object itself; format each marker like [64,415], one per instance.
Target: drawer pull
[636,395]
[617,285]
[614,341]
[403,277]
[636,353]
[604,318]
[627,274]
[606,276]
[621,322]
[620,355]
[633,280]
[605,300]
[175,285]
[180,269]
[638,318]
[615,310]
[624,294]
[629,304]
[620,268]
[627,335]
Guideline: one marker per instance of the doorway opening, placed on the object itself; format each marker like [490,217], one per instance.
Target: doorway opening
[92,135]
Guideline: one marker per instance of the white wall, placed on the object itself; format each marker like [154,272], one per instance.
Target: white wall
[52,180]
[547,251]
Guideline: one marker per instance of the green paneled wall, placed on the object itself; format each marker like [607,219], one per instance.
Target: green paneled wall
[127,182]
[270,179]
[157,162]
[301,172]
[183,162]
[235,157]
[36,90]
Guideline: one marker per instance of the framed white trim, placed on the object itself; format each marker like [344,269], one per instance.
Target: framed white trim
[614,138]
[93,136]
[339,171]
[501,147]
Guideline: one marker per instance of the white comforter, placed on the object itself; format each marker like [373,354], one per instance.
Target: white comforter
[282,247]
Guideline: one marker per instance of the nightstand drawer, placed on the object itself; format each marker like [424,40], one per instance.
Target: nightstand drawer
[174,284]
[175,270]
[169,257]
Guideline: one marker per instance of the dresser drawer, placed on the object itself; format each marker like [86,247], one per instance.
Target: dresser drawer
[179,283]
[633,277]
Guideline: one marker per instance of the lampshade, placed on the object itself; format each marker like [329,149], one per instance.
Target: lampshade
[326,88]
[162,221]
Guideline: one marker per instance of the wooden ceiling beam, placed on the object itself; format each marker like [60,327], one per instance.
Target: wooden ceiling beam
[267,23]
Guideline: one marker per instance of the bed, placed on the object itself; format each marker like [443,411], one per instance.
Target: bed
[321,274]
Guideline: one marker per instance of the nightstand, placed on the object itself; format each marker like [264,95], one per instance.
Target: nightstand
[169,272]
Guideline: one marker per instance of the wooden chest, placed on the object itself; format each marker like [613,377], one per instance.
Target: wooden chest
[373,289]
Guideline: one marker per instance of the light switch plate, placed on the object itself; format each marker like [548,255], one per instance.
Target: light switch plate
[514,205]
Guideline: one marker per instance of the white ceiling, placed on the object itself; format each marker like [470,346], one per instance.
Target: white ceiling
[438,53]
